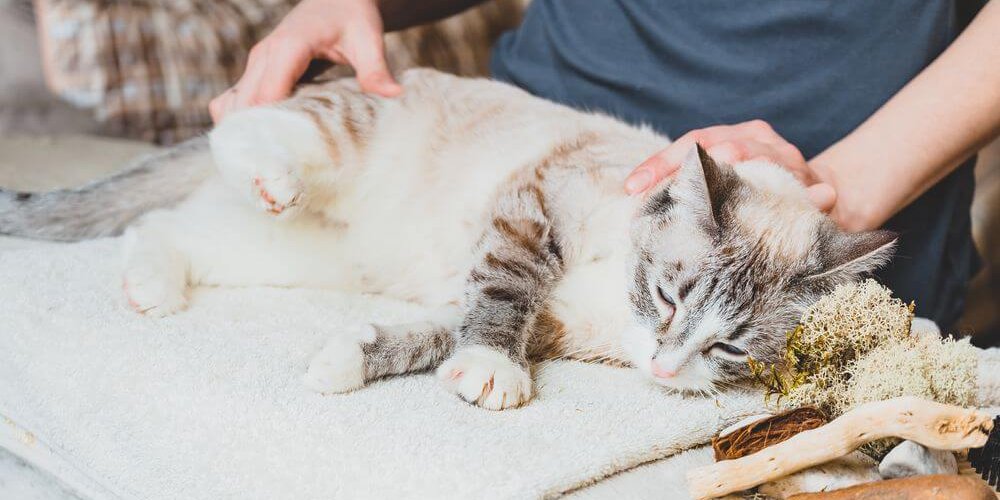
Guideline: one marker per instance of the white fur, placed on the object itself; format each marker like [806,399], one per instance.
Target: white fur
[791,230]
[340,365]
[401,217]
[154,276]
[486,377]
[692,370]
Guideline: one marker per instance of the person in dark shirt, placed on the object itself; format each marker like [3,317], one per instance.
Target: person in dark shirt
[877,107]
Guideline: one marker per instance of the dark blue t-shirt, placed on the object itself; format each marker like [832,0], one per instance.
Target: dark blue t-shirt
[814,69]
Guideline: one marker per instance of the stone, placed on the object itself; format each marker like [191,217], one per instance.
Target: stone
[850,470]
[910,459]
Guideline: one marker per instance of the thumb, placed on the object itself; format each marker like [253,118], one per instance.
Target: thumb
[372,72]
[822,196]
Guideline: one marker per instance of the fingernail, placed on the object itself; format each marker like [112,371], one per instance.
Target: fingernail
[638,181]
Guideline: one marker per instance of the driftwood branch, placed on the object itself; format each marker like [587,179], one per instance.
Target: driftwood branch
[931,424]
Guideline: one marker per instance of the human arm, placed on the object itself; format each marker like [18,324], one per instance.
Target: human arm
[342,31]
[939,119]
[925,131]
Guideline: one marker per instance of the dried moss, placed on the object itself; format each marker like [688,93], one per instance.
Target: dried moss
[853,346]
[939,370]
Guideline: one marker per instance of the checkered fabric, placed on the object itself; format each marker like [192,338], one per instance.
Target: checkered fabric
[150,67]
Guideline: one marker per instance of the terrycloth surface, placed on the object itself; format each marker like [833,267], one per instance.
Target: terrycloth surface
[208,404]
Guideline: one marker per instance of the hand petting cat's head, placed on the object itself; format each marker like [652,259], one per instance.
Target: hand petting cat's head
[725,260]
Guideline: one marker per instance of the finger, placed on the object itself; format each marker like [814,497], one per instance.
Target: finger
[215,107]
[748,149]
[822,196]
[219,106]
[667,161]
[368,60]
[708,137]
[232,103]
[801,172]
[286,61]
[272,71]
[647,174]
[731,152]
[660,166]
[758,130]
[247,85]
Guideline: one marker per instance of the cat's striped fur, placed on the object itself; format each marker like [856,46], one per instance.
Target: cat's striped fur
[500,212]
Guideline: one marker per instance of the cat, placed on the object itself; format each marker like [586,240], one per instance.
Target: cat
[502,213]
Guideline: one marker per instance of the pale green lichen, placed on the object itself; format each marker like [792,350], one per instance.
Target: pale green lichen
[853,346]
[939,370]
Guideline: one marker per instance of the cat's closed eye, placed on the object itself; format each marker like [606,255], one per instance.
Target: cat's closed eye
[727,349]
[665,297]
[667,305]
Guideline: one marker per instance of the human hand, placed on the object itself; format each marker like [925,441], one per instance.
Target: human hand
[342,31]
[733,144]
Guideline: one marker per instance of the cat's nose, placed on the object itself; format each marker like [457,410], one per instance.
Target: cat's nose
[659,372]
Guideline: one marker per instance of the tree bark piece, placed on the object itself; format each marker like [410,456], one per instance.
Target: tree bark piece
[934,487]
[935,425]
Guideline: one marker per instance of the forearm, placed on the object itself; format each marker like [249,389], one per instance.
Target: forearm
[402,14]
[947,113]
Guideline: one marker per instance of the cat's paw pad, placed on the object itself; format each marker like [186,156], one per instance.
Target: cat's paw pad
[486,378]
[340,365]
[276,194]
[153,296]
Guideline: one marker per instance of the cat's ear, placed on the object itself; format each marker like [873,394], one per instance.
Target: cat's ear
[845,257]
[705,185]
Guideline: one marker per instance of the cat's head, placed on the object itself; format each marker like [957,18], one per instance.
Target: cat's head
[725,261]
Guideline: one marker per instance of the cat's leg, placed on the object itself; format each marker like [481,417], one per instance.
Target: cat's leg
[348,362]
[155,273]
[292,154]
[506,290]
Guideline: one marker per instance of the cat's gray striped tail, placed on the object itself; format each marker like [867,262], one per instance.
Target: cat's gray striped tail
[107,206]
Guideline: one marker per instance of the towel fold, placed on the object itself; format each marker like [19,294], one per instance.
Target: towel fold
[208,403]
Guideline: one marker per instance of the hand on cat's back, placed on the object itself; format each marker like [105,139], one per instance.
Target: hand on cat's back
[731,144]
[342,31]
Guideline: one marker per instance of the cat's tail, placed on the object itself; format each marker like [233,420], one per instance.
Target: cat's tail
[107,206]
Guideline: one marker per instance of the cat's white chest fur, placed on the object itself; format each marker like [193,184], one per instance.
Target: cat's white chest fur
[591,299]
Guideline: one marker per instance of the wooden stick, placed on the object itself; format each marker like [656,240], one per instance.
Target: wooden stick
[934,425]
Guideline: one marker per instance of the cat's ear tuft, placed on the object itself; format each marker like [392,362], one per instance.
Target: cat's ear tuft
[707,184]
[846,257]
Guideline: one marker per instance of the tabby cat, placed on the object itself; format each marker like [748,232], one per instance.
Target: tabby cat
[500,212]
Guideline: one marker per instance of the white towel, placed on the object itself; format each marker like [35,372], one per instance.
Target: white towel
[208,403]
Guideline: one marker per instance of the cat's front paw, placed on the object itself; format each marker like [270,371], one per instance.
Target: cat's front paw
[276,194]
[486,378]
[340,365]
[152,294]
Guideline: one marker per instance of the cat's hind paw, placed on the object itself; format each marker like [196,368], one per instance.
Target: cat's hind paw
[486,378]
[340,365]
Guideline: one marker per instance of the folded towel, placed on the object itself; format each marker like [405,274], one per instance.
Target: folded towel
[208,403]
